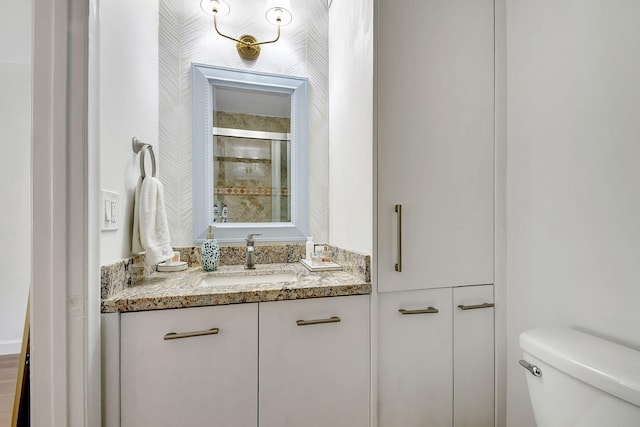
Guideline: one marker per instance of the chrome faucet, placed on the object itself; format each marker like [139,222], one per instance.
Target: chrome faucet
[251,252]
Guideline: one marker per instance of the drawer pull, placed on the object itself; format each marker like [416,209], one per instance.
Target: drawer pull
[428,310]
[175,335]
[398,265]
[473,307]
[333,319]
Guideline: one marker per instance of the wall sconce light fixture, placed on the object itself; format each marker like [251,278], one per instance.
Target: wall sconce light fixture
[277,13]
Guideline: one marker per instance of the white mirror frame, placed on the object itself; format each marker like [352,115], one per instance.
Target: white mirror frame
[203,78]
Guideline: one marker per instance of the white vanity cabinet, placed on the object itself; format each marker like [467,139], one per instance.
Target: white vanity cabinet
[436,359]
[435,143]
[202,380]
[305,361]
[314,362]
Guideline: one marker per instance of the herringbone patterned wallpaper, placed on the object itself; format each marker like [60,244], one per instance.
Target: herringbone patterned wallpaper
[186,35]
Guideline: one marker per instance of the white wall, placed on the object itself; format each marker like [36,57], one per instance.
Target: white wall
[15,170]
[127,104]
[187,35]
[351,124]
[573,174]
[500,210]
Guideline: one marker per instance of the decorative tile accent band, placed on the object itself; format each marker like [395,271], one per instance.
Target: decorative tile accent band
[248,191]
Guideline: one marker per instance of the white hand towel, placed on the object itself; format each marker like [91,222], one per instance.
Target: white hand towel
[136,245]
[150,226]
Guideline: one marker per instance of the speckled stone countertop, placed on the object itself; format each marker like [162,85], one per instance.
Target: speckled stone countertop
[186,288]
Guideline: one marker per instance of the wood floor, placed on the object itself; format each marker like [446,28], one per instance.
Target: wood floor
[8,376]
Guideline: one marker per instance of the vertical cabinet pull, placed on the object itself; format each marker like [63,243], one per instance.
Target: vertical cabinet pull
[175,335]
[399,263]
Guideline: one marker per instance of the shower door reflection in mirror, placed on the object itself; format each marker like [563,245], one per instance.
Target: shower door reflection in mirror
[251,163]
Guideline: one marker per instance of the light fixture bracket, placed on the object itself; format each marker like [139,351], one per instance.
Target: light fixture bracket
[248,47]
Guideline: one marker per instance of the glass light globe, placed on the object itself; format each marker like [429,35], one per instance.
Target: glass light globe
[279,12]
[208,6]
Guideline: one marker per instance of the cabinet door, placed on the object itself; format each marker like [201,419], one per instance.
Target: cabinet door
[473,361]
[208,380]
[315,375]
[415,381]
[435,122]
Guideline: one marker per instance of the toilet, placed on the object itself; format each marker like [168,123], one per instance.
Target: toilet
[576,379]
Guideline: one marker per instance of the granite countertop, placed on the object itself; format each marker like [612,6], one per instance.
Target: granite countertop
[186,288]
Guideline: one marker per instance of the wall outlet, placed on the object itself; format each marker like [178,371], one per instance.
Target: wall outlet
[110,210]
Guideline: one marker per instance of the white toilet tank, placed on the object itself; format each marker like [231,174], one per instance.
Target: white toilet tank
[576,379]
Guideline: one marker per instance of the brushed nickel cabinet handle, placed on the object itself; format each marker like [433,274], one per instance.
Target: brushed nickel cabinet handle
[333,319]
[399,263]
[428,310]
[474,307]
[175,335]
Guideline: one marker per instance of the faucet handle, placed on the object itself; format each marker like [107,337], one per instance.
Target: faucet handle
[251,236]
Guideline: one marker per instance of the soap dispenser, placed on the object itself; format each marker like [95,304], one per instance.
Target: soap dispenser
[210,253]
[309,249]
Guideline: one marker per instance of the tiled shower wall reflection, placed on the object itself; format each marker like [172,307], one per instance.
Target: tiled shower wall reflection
[243,170]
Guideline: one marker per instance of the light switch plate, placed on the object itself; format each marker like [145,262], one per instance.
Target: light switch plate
[110,219]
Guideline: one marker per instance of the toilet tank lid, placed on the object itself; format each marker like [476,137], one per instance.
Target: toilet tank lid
[606,365]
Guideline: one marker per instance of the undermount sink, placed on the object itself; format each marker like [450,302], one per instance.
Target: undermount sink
[214,281]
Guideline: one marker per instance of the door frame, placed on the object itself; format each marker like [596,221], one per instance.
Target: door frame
[65,323]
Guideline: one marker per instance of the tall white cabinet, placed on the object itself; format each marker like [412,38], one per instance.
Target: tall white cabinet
[435,142]
[435,212]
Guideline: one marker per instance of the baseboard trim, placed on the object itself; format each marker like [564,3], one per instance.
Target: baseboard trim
[10,347]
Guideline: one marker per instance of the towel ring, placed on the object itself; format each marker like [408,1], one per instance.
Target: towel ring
[147,148]
[141,147]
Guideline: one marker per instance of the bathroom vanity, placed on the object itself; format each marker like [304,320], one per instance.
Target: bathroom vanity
[274,346]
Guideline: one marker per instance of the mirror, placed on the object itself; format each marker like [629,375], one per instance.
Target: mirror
[250,139]
[251,156]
